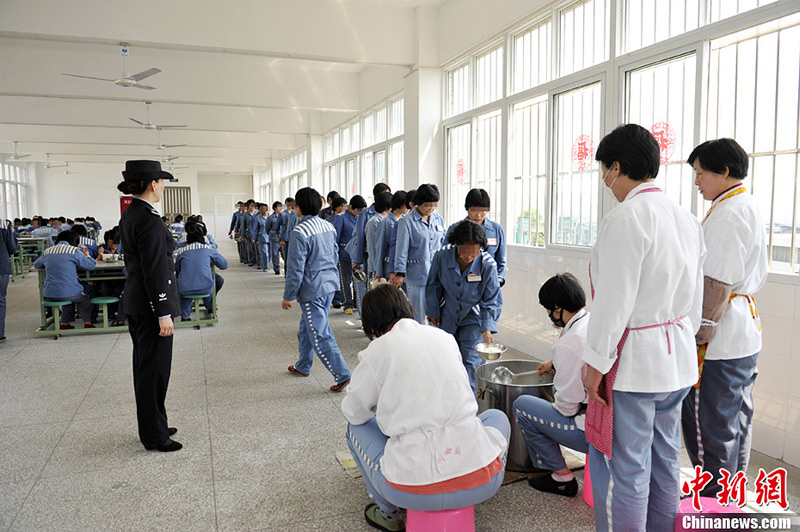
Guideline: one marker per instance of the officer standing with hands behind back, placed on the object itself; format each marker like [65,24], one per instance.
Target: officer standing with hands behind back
[151,299]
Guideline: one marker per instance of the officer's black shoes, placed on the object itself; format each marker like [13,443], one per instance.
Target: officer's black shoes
[168,446]
[548,484]
[172,431]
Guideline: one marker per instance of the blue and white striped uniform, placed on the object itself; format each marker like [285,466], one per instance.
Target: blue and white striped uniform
[383,244]
[496,239]
[311,279]
[417,241]
[195,276]
[371,235]
[467,303]
[88,243]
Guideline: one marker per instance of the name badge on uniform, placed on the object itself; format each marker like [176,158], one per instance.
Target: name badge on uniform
[492,241]
[473,277]
[439,228]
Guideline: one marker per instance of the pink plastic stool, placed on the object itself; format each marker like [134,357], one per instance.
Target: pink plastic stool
[461,520]
[710,505]
[588,498]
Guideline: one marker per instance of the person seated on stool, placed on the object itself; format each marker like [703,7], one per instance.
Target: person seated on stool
[62,262]
[193,268]
[413,425]
[545,425]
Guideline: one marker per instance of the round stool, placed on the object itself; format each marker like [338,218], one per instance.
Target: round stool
[461,520]
[56,306]
[104,300]
[197,298]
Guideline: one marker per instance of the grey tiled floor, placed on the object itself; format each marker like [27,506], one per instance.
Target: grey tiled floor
[259,443]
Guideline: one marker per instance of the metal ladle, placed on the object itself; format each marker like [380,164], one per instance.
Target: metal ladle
[503,375]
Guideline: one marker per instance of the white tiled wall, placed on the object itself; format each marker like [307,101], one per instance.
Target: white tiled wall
[524,325]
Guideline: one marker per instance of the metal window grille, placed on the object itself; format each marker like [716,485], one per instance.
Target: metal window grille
[489,76]
[396,165]
[646,22]
[380,125]
[396,121]
[584,35]
[458,170]
[574,205]
[486,173]
[177,200]
[379,161]
[720,9]
[661,97]
[529,166]
[458,90]
[532,51]
[753,97]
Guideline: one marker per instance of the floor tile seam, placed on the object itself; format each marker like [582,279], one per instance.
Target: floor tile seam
[15,355]
[210,443]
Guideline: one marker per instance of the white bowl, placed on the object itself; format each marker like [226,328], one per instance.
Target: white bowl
[490,351]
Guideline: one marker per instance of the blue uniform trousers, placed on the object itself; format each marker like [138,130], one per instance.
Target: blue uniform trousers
[274,252]
[638,487]
[544,429]
[367,443]
[468,336]
[208,302]
[315,336]
[416,295]
[3,290]
[717,418]
[345,295]
[68,311]
[361,289]
[251,252]
[240,247]
[263,255]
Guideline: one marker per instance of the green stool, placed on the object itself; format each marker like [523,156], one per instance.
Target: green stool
[197,298]
[104,300]
[56,306]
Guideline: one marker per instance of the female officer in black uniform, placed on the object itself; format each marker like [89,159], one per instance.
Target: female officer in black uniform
[151,299]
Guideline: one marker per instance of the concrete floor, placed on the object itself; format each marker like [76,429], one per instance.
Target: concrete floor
[259,443]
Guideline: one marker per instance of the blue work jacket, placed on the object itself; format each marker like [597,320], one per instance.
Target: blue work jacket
[457,298]
[311,271]
[417,241]
[193,268]
[359,234]
[497,244]
[291,223]
[344,224]
[8,246]
[176,227]
[283,227]
[384,243]
[272,224]
[234,219]
[258,229]
[371,236]
[88,243]
[62,263]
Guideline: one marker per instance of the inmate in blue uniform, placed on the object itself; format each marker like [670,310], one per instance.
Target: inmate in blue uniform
[311,279]
[274,245]
[496,239]
[371,235]
[260,235]
[61,263]
[360,251]
[193,268]
[384,243]
[467,303]
[248,241]
[344,225]
[417,241]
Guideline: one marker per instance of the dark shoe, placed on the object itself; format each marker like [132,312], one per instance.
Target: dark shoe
[116,323]
[277,273]
[336,388]
[89,326]
[375,519]
[548,484]
[168,446]
[292,369]
[66,327]
[2,339]
[337,305]
[185,319]
[172,431]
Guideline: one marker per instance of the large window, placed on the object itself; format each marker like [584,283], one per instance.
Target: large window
[528,187]
[458,90]
[486,173]
[489,76]
[532,57]
[458,170]
[576,175]
[753,98]
[652,21]
[661,98]
[396,165]
[584,35]
[13,191]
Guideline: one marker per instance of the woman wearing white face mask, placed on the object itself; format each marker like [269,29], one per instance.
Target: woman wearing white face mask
[647,283]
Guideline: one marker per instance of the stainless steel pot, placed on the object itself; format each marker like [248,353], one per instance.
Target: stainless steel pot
[501,396]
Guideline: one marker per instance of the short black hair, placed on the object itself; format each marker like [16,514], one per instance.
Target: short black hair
[178,218]
[276,204]
[468,232]
[378,188]
[636,150]
[332,195]
[383,202]
[426,193]
[338,202]
[70,237]
[357,202]
[719,154]
[111,235]
[290,200]
[194,233]
[398,199]
[562,290]
[62,219]
[309,201]
[382,307]
[411,197]
[80,230]
[477,197]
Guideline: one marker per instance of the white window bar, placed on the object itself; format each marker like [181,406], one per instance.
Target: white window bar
[532,51]
[366,183]
[584,35]
[396,164]
[646,22]
[489,76]
[380,125]
[720,9]
[458,90]
[486,173]
[527,189]
[379,163]
[661,98]
[396,123]
[576,175]
[458,175]
[754,83]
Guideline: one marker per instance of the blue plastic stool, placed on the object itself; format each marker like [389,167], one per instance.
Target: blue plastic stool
[56,306]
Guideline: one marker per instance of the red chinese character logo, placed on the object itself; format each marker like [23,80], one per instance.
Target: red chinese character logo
[734,488]
[771,487]
[583,152]
[665,136]
[460,171]
[696,485]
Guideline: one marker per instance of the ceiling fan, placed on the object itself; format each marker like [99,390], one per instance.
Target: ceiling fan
[148,124]
[163,147]
[126,80]
[17,156]
[48,165]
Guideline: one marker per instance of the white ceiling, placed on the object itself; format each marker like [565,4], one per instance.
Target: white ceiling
[251,78]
